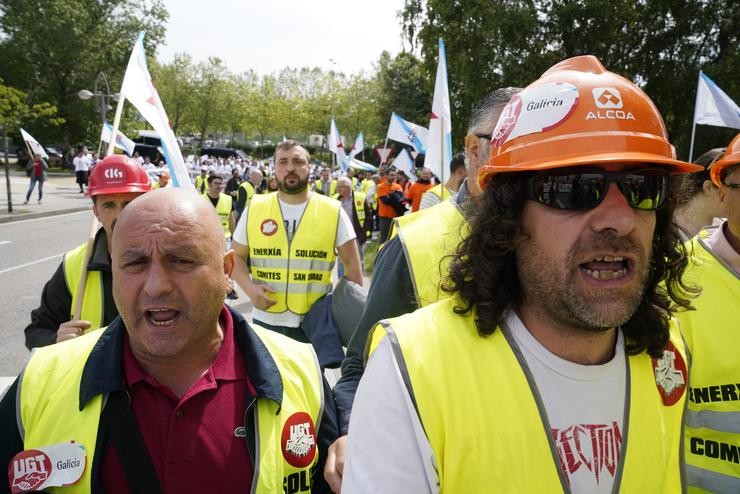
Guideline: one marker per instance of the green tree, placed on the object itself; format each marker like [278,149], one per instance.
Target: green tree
[213,97]
[661,44]
[403,87]
[176,86]
[14,111]
[53,48]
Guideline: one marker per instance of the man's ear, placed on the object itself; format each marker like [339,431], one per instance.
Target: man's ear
[229,263]
[709,188]
[472,149]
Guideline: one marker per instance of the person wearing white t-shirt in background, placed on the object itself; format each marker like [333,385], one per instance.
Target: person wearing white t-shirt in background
[82,164]
[291,240]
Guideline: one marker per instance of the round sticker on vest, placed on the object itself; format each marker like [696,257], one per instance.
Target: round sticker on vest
[539,109]
[269,227]
[298,440]
[47,466]
[670,375]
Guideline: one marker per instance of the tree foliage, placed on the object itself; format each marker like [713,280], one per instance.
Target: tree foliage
[54,48]
[660,44]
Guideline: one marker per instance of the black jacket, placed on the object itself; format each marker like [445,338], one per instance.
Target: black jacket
[103,373]
[56,298]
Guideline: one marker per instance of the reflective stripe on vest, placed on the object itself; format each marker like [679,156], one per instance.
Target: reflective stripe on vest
[299,270]
[477,396]
[92,302]
[49,409]
[712,442]
[223,209]
[428,255]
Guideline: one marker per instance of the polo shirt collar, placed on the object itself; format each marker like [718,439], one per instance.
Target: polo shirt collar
[103,371]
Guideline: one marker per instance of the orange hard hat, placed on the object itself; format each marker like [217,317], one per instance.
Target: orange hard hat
[731,157]
[116,174]
[578,113]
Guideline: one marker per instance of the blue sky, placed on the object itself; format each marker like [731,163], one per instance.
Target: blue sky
[269,35]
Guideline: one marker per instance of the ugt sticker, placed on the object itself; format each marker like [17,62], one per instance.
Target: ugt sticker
[298,440]
[670,375]
[269,227]
[48,466]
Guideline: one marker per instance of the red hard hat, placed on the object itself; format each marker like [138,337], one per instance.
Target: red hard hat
[578,113]
[117,174]
[731,157]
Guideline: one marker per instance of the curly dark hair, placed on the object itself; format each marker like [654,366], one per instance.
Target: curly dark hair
[687,185]
[483,271]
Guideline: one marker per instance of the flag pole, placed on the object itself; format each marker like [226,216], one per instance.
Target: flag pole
[116,123]
[442,155]
[385,145]
[693,121]
[95,224]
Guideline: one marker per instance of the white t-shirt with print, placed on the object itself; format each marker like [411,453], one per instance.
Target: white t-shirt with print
[292,214]
[585,408]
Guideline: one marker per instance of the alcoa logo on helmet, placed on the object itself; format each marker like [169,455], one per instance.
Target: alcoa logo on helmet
[610,100]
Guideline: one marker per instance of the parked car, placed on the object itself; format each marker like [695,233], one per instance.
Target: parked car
[224,153]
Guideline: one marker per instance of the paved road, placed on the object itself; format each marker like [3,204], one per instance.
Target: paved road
[30,251]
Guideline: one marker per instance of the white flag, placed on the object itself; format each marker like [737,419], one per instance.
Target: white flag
[358,146]
[335,140]
[407,133]
[439,143]
[36,148]
[122,142]
[137,87]
[713,106]
[405,163]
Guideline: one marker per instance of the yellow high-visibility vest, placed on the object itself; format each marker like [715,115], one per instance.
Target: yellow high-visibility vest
[487,429]
[299,270]
[712,432]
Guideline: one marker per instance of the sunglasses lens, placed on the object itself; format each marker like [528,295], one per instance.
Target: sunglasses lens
[644,189]
[568,190]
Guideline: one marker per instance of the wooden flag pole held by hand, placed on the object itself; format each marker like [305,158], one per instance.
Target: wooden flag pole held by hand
[76,314]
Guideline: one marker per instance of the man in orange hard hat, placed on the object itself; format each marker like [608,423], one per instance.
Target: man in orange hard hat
[555,364]
[113,183]
[712,425]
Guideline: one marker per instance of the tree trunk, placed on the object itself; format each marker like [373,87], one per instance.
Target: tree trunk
[7,170]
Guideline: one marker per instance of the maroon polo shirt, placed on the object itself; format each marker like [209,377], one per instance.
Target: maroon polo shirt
[191,440]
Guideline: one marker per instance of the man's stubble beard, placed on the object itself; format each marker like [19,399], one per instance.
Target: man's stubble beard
[563,299]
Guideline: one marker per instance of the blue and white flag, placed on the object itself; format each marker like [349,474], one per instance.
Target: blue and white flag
[405,132]
[137,87]
[439,144]
[714,106]
[122,142]
[358,146]
[405,163]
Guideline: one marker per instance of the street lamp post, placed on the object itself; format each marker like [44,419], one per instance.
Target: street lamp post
[104,97]
[331,105]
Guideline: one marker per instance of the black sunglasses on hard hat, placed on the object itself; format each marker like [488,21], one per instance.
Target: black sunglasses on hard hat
[584,188]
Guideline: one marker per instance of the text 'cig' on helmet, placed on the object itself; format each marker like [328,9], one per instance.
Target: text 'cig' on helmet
[578,113]
[117,174]
[731,157]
